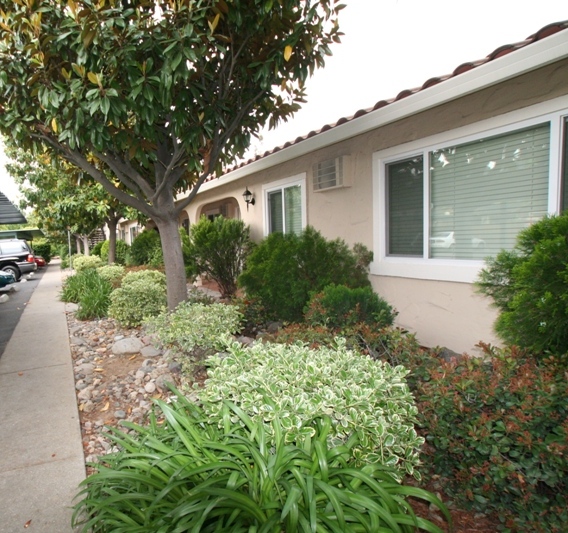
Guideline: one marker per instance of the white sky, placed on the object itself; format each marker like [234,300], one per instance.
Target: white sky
[392,45]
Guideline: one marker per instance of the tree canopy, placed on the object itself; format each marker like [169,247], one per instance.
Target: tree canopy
[162,93]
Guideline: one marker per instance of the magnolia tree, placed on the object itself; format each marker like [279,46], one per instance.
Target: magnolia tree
[161,93]
[64,198]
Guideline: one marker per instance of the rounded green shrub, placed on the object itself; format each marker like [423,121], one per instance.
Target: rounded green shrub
[84,262]
[219,249]
[96,250]
[363,397]
[145,247]
[43,248]
[338,306]
[529,286]
[146,276]
[137,299]
[283,269]
[121,252]
[112,273]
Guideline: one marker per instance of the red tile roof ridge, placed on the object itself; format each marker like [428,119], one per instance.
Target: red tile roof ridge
[546,31]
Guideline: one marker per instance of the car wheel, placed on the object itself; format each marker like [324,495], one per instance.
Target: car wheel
[13,270]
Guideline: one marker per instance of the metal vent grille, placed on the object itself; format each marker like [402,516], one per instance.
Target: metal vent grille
[328,174]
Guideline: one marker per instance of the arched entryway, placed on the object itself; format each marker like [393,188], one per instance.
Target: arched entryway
[227,207]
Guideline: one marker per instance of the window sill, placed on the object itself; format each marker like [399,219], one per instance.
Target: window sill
[460,271]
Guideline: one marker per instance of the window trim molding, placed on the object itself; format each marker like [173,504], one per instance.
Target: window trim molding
[298,179]
[457,270]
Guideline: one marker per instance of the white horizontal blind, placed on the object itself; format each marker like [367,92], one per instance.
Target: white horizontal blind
[293,209]
[405,219]
[483,193]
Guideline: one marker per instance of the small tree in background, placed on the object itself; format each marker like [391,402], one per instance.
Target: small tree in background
[529,286]
[219,249]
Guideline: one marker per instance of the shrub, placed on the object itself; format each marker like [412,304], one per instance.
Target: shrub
[188,475]
[529,285]
[283,270]
[498,430]
[84,262]
[146,276]
[363,397]
[121,251]
[112,273]
[194,325]
[338,306]
[96,250]
[43,248]
[142,295]
[144,247]
[219,249]
[90,291]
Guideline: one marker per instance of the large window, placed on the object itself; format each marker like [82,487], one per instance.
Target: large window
[480,195]
[285,206]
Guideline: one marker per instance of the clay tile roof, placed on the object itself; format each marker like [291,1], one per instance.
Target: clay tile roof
[547,31]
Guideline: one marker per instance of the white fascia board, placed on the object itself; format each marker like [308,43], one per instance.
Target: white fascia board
[526,59]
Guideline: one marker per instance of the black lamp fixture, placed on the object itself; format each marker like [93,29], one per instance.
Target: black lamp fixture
[249,199]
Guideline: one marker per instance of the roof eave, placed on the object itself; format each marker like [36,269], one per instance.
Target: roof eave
[536,55]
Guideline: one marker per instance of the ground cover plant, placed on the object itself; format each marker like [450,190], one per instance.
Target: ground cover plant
[529,286]
[90,291]
[187,474]
[362,397]
[284,269]
[497,430]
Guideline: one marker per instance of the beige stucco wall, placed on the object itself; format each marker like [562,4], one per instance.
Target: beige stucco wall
[440,313]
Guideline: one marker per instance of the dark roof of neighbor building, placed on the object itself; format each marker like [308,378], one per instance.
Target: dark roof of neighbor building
[544,32]
[9,214]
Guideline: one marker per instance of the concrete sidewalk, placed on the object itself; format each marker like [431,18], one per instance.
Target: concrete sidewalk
[41,453]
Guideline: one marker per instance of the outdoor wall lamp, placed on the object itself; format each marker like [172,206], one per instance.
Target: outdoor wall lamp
[249,199]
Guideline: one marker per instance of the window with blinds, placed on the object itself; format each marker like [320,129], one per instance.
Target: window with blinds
[285,210]
[483,193]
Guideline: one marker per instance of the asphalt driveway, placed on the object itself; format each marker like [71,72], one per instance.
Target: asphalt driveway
[11,311]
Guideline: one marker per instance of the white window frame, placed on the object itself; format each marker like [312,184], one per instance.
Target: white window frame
[292,181]
[458,270]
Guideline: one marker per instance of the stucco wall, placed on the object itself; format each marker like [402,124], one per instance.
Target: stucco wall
[441,313]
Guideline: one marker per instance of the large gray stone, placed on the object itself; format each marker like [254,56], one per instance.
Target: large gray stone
[127,346]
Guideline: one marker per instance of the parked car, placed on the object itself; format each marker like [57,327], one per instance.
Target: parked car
[40,261]
[16,257]
[6,278]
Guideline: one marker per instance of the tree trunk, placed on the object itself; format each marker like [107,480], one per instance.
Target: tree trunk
[112,223]
[78,244]
[173,261]
[86,249]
